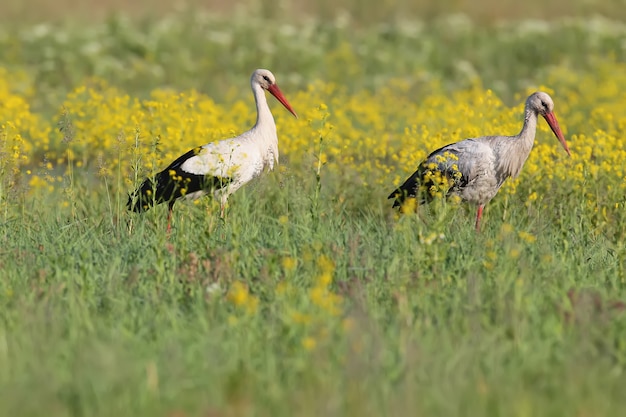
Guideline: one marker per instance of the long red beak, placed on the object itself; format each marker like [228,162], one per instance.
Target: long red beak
[275,91]
[554,125]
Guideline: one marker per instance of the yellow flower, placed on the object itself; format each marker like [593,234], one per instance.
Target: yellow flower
[326,300]
[289,263]
[300,318]
[239,295]
[309,343]
[409,205]
[325,279]
[326,264]
[527,237]
[283,288]
[506,229]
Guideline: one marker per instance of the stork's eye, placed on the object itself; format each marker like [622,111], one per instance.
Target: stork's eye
[266,78]
[544,105]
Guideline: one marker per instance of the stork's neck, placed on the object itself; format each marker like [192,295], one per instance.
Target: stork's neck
[264,130]
[527,135]
[264,118]
[518,149]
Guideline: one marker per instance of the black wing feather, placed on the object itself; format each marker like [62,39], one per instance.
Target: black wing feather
[410,188]
[172,183]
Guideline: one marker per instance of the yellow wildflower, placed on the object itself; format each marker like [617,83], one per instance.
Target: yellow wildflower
[527,237]
[289,263]
[309,343]
[241,297]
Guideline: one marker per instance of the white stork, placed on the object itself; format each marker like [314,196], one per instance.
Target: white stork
[476,168]
[220,167]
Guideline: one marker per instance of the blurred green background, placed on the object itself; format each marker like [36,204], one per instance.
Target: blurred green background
[360,45]
[361,12]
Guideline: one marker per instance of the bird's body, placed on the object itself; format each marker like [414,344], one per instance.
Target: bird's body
[220,167]
[475,169]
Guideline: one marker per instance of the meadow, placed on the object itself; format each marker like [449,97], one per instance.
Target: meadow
[313,297]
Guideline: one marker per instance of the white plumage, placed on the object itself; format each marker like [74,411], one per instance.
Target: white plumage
[219,167]
[476,168]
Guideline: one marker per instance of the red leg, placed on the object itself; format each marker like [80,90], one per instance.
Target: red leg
[169,219]
[479,215]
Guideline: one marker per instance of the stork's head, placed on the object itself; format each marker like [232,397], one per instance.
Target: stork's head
[541,103]
[266,80]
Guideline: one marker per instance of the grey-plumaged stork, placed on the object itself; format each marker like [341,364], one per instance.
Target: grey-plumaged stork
[476,168]
[220,167]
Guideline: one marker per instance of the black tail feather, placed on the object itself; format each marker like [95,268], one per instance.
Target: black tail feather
[419,184]
[407,190]
[146,196]
[170,185]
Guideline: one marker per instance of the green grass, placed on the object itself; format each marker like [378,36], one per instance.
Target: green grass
[97,320]
[101,314]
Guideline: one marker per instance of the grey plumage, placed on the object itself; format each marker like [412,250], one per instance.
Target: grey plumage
[476,168]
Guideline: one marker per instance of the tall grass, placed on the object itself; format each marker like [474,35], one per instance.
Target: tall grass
[435,319]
